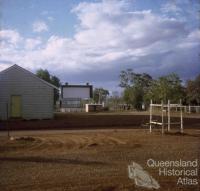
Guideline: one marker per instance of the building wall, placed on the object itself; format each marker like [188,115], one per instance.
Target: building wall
[76,92]
[93,107]
[37,97]
[71,103]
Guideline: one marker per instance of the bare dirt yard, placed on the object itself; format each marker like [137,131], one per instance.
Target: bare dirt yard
[94,160]
[95,120]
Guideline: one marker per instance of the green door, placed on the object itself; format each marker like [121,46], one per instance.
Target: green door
[16,106]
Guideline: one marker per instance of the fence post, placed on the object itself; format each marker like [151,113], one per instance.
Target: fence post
[168,115]
[181,116]
[150,110]
[162,118]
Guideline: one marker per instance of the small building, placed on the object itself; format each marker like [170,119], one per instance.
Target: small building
[93,107]
[24,95]
[73,97]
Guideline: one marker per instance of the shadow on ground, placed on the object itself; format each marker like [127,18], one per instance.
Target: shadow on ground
[51,160]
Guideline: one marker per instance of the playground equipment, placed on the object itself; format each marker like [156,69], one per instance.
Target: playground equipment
[166,108]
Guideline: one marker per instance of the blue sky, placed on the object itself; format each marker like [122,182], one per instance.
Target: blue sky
[92,41]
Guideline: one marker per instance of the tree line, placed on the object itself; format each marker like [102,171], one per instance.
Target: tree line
[139,89]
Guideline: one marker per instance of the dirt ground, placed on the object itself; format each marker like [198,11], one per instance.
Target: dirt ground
[91,160]
[96,120]
[91,152]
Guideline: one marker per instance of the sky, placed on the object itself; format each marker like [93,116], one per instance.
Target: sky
[93,40]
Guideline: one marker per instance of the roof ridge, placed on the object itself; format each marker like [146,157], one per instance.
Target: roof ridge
[25,70]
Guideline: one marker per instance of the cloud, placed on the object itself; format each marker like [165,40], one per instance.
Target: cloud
[32,43]
[40,26]
[109,37]
[11,36]
[46,15]
[185,10]
[171,7]
[50,18]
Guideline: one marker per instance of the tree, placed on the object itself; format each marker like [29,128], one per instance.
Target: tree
[126,78]
[45,75]
[193,91]
[55,81]
[100,95]
[134,96]
[166,88]
[135,87]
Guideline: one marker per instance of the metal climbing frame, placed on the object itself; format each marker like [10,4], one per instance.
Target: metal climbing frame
[168,107]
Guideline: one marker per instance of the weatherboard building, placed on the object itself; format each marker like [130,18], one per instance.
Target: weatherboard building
[24,95]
